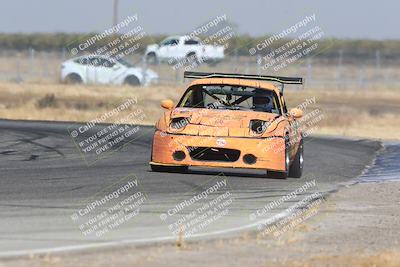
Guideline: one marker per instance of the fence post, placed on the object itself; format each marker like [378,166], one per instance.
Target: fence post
[63,54]
[234,66]
[309,69]
[378,64]
[31,60]
[361,82]
[339,79]
[176,77]
[258,63]
[144,70]
[378,59]
[18,77]
[46,64]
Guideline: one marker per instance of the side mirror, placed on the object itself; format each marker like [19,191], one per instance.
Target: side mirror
[167,104]
[296,113]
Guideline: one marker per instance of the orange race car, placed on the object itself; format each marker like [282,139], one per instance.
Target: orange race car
[230,120]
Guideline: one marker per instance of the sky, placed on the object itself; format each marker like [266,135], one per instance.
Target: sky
[341,19]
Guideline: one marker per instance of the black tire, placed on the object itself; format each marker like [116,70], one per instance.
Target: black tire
[73,78]
[132,80]
[296,169]
[151,58]
[175,169]
[284,174]
[191,58]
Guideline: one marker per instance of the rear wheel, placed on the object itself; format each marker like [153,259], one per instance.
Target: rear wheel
[160,168]
[296,169]
[132,81]
[192,59]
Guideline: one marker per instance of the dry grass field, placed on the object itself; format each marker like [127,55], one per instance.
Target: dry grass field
[45,66]
[357,112]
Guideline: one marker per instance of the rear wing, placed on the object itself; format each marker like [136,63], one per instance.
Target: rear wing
[280,79]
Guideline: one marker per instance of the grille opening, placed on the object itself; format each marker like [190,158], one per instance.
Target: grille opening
[249,159]
[179,155]
[214,154]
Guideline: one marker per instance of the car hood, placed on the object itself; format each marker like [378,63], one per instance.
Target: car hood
[219,122]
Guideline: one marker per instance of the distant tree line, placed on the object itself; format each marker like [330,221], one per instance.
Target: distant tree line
[237,45]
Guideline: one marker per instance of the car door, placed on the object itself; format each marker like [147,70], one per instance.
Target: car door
[175,49]
[81,68]
[93,63]
[168,48]
[192,45]
[108,71]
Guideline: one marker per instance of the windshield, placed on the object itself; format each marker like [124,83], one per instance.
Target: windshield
[125,63]
[230,97]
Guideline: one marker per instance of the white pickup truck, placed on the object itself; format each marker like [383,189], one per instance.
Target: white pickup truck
[176,49]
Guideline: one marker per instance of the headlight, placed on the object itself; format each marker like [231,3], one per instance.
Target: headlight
[179,123]
[258,126]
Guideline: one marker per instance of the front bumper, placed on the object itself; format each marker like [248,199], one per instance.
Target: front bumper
[269,152]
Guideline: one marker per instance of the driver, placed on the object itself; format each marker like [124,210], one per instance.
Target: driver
[262,103]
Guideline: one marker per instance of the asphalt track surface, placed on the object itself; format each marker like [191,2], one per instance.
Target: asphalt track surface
[44,181]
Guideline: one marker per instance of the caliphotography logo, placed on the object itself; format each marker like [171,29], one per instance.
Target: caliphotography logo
[96,139]
[199,211]
[111,208]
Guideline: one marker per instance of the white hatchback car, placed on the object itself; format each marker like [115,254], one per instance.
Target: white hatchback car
[96,69]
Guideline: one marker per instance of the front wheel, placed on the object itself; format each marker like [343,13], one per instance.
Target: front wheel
[160,168]
[296,169]
[282,174]
[73,78]
[151,59]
